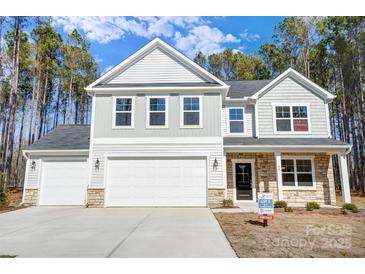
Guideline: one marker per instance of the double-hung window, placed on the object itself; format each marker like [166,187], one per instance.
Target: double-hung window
[157,112]
[191,111]
[123,112]
[236,120]
[291,118]
[297,173]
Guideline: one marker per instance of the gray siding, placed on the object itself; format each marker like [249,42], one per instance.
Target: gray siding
[249,118]
[211,119]
[156,67]
[289,91]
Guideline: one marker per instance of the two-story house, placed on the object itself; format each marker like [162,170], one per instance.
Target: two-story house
[165,132]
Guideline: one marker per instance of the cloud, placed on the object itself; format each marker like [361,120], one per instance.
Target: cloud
[249,37]
[188,33]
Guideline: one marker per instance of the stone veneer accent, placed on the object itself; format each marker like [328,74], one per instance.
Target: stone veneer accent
[95,197]
[30,197]
[265,174]
[215,197]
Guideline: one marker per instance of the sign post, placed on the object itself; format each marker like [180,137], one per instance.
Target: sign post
[266,206]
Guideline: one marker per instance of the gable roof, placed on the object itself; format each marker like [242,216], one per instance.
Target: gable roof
[299,78]
[64,137]
[245,88]
[193,72]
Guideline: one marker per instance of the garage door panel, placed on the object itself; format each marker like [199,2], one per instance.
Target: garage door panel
[156,182]
[63,182]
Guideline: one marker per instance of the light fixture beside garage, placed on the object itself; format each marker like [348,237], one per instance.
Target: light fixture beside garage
[33,164]
[97,164]
[215,164]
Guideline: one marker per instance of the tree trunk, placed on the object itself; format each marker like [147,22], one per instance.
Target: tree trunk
[69,111]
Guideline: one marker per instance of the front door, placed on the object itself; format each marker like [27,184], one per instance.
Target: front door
[243,181]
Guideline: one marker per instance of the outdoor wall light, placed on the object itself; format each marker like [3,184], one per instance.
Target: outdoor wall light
[97,164]
[215,164]
[33,164]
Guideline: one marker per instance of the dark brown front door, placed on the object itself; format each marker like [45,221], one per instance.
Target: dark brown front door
[243,181]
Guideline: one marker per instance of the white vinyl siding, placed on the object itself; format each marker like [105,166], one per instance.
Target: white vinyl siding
[156,67]
[249,122]
[213,151]
[291,92]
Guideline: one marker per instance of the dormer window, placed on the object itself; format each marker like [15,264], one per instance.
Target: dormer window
[291,118]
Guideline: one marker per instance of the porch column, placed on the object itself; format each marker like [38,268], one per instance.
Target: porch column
[279,178]
[344,176]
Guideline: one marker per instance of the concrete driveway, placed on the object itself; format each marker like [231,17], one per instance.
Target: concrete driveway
[112,232]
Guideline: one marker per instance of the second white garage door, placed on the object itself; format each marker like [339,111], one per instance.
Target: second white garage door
[64,182]
[156,182]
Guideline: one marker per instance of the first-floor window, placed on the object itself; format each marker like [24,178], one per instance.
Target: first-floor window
[157,111]
[297,172]
[123,112]
[236,122]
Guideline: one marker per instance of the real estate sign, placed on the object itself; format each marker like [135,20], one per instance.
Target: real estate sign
[266,204]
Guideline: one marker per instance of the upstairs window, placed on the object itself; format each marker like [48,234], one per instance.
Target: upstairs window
[157,112]
[297,172]
[291,119]
[123,108]
[191,112]
[236,120]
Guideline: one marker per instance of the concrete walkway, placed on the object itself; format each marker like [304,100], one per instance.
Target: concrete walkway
[112,232]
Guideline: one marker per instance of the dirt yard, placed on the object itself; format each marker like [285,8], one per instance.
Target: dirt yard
[14,202]
[300,234]
[357,199]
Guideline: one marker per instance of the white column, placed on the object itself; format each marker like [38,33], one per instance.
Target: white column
[279,178]
[344,176]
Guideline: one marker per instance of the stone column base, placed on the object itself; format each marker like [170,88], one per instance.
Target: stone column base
[30,197]
[215,197]
[95,197]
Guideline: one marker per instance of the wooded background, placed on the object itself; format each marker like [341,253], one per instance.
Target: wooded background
[42,79]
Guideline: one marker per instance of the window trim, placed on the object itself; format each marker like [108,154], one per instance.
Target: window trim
[296,186]
[148,112]
[229,122]
[182,111]
[291,105]
[114,126]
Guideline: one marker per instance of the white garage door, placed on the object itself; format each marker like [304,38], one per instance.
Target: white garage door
[63,182]
[156,182]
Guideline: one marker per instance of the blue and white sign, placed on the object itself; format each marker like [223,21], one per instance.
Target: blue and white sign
[266,203]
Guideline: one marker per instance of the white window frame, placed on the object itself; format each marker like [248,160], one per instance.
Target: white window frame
[182,111]
[297,187]
[114,126]
[229,122]
[291,105]
[148,112]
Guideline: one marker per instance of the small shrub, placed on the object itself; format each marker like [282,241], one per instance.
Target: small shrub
[280,204]
[343,211]
[351,207]
[312,205]
[4,192]
[288,209]
[227,203]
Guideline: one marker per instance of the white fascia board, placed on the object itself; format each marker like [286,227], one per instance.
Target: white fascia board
[291,72]
[154,43]
[157,140]
[287,148]
[57,152]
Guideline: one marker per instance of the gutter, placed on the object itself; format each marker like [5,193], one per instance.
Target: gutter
[26,153]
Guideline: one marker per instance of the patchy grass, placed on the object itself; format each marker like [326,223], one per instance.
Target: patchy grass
[323,233]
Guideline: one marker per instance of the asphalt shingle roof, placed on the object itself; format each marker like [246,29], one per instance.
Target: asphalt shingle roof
[244,88]
[63,138]
[247,141]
